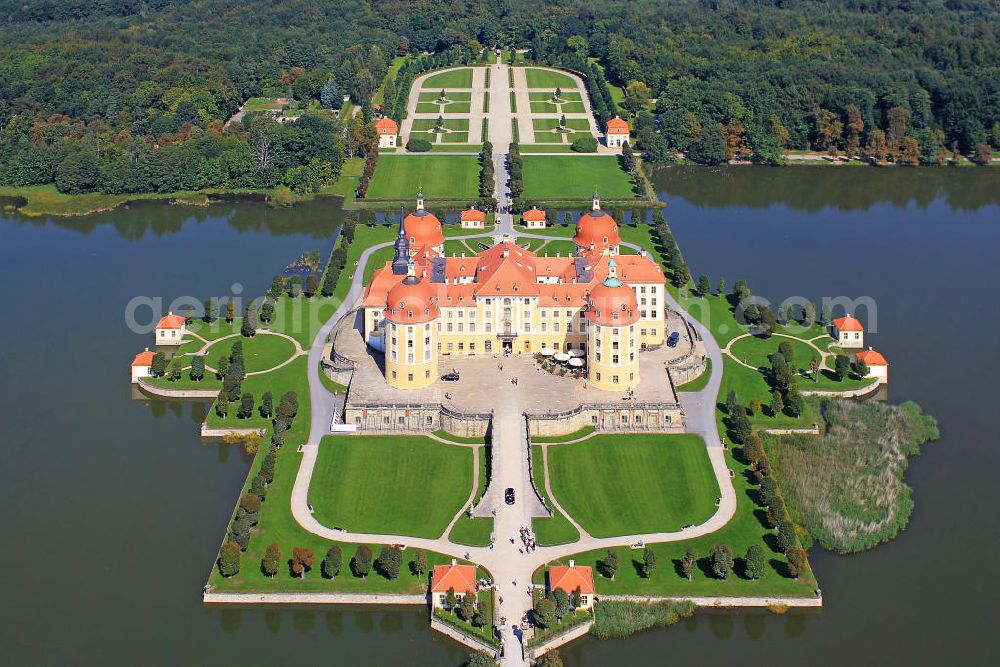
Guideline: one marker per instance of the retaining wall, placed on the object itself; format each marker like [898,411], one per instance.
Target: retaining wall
[618,417]
[573,633]
[177,394]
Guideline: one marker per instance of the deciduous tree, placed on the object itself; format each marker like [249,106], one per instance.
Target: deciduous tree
[330,567]
[755,562]
[361,562]
[302,561]
[229,559]
[689,563]
[271,562]
[648,562]
[390,559]
[610,564]
[721,559]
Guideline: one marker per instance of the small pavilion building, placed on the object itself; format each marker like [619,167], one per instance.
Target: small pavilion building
[141,365]
[472,218]
[574,578]
[170,329]
[387,132]
[878,367]
[534,218]
[618,132]
[848,332]
[459,578]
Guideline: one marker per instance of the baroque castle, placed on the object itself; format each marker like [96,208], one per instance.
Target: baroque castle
[423,305]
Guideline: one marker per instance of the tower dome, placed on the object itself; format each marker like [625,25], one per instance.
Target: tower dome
[613,303]
[596,229]
[412,301]
[422,227]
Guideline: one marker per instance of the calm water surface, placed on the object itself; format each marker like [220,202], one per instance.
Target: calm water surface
[114,509]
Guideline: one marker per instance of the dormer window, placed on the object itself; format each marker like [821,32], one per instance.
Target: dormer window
[427,311]
[614,316]
[409,313]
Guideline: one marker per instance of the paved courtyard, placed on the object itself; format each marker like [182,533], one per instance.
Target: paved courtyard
[484,377]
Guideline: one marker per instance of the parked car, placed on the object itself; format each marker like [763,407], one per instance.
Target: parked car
[672,339]
[508,496]
[450,377]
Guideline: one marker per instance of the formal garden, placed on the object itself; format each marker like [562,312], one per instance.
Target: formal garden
[441,177]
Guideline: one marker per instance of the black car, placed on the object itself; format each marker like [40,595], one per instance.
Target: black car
[450,377]
[508,496]
[672,339]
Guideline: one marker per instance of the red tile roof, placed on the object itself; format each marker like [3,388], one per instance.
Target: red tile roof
[848,324]
[594,227]
[570,578]
[386,125]
[617,126]
[412,302]
[473,215]
[143,359]
[170,321]
[871,358]
[460,577]
[423,228]
[534,215]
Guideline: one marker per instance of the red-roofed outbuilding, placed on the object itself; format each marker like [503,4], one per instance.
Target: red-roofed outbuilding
[460,578]
[848,332]
[570,578]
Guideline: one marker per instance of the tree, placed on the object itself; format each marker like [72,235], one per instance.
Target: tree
[266,409]
[778,132]
[158,366]
[197,371]
[786,535]
[229,559]
[777,404]
[329,96]
[211,308]
[827,317]
[808,314]
[855,126]
[755,406]
[740,424]
[221,406]
[419,563]
[230,311]
[648,562]
[610,564]
[545,612]
[785,348]
[898,120]
[877,149]
[689,563]
[302,561]
[983,155]
[584,145]
[312,285]
[288,406]
[330,567]
[860,368]
[561,599]
[277,287]
[248,327]
[245,410]
[361,562]
[841,364]
[768,323]
[704,285]
[721,559]
[480,618]
[271,562]
[222,367]
[755,562]
[814,367]
[909,152]
[797,561]
[390,559]
[480,659]
[795,401]
[710,149]
[176,369]
[266,310]
[828,131]
[732,402]
[720,287]
[258,486]
[550,659]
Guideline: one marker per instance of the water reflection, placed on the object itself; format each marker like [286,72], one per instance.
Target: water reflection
[841,188]
[230,620]
[334,623]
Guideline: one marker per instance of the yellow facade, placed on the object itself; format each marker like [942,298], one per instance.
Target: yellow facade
[410,354]
[613,357]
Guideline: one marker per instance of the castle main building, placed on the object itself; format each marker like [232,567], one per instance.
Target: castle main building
[422,305]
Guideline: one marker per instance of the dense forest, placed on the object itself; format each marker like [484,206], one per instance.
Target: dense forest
[134,95]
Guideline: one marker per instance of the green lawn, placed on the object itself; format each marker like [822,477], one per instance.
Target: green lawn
[563,177]
[472,531]
[260,353]
[699,382]
[453,96]
[454,78]
[549,531]
[440,176]
[547,137]
[395,485]
[627,484]
[428,124]
[565,96]
[528,149]
[565,247]
[543,124]
[575,435]
[287,378]
[546,78]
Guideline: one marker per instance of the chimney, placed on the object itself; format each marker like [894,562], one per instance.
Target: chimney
[571,563]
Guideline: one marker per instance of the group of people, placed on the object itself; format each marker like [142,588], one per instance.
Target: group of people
[528,540]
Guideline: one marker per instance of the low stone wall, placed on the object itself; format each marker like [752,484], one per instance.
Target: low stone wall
[683,374]
[852,393]
[311,598]
[219,433]
[410,417]
[449,630]
[573,633]
[177,394]
[624,417]
[812,430]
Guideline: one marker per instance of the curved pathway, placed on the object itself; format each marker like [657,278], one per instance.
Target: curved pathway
[265,332]
[511,568]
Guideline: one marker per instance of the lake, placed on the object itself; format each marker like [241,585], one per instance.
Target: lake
[114,508]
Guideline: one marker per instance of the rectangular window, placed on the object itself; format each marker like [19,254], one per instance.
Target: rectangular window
[614,379]
[409,358]
[489,346]
[614,359]
[461,347]
[450,346]
[450,327]
[472,347]
[555,327]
